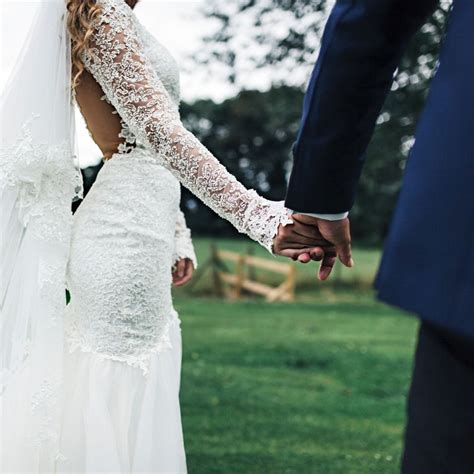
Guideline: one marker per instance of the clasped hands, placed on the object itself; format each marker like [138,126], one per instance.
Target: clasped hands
[313,239]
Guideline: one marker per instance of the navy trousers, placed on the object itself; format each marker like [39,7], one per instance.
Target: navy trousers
[439,437]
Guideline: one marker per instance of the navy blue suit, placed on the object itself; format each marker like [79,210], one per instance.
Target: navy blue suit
[428,262]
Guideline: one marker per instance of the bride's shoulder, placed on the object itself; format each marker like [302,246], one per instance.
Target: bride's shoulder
[114,10]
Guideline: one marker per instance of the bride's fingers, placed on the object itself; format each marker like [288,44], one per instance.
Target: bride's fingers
[183,281]
[183,272]
[304,254]
[304,258]
[189,270]
[179,272]
[293,253]
[179,269]
[316,254]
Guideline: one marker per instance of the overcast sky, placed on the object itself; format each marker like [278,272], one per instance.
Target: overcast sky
[177,24]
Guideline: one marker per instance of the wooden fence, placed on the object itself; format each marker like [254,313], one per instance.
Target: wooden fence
[242,278]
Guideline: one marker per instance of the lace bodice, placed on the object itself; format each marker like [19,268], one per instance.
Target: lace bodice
[141,81]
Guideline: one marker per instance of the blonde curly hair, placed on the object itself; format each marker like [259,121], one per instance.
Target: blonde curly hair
[81,16]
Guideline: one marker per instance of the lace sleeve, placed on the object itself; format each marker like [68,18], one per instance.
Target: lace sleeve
[183,243]
[118,63]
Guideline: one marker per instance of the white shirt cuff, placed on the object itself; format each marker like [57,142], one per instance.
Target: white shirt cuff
[328,217]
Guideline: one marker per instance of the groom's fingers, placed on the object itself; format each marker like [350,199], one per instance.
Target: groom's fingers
[290,253]
[326,266]
[299,241]
[344,252]
[306,230]
[297,234]
[290,244]
[338,232]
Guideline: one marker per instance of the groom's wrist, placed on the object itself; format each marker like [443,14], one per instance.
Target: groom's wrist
[328,217]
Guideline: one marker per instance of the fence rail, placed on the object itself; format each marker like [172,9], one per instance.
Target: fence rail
[233,283]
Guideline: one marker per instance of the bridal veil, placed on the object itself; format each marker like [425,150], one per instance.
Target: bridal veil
[38,181]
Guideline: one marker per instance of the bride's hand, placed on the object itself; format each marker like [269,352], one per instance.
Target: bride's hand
[182,272]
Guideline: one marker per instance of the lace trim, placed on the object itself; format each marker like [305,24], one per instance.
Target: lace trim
[263,220]
[141,360]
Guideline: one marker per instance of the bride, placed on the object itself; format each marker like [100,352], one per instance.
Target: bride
[93,386]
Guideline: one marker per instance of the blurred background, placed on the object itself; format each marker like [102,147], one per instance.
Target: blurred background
[315,381]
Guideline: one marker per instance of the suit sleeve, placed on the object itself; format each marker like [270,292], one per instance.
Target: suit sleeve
[361,48]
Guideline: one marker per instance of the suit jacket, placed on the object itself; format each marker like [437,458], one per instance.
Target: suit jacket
[428,263]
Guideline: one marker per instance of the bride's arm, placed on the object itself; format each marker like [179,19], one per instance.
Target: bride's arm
[183,247]
[119,64]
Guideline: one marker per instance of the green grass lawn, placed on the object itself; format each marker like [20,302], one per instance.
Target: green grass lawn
[317,386]
[293,388]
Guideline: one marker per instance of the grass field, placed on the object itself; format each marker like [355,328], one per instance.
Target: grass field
[317,386]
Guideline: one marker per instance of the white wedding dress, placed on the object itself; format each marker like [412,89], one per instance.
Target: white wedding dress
[122,358]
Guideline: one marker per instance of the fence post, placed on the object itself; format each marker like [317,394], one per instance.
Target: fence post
[291,283]
[240,276]
[232,284]
[251,269]
[218,290]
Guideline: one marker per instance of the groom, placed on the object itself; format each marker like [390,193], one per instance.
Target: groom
[428,264]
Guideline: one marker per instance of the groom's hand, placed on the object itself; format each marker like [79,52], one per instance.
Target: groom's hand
[302,242]
[337,233]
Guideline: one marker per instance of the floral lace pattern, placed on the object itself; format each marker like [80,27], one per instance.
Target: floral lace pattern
[122,253]
[119,62]
[47,180]
[44,181]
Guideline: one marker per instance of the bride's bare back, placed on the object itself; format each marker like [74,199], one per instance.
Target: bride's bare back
[102,120]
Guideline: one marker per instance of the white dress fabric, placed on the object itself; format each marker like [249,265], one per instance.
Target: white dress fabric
[122,358]
[122,366]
